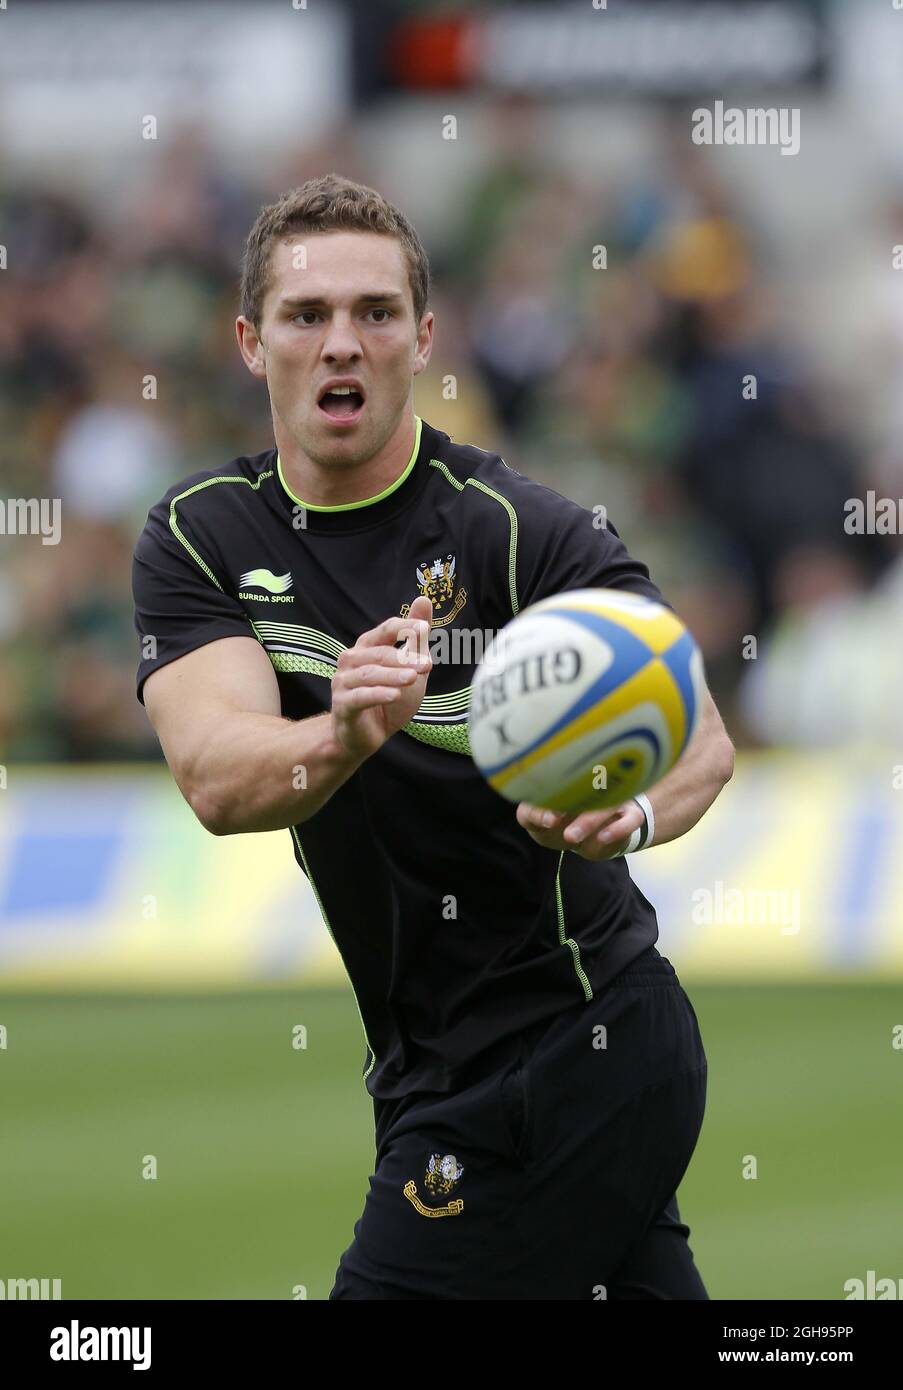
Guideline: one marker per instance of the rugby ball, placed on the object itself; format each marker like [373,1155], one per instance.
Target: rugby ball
[584,699]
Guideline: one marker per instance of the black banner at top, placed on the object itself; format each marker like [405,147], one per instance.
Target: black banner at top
[667,48]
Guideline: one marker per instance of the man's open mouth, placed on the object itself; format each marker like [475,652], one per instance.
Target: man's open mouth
[341,402]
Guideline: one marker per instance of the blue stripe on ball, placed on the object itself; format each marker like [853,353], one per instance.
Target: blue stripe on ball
[642,732]
[677,659]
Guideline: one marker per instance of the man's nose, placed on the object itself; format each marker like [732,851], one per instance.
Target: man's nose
[341,340]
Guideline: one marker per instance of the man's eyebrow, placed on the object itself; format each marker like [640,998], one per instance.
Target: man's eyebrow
[317,302]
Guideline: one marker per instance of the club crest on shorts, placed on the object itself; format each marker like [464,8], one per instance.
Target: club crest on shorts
[436,580]
[443,1173]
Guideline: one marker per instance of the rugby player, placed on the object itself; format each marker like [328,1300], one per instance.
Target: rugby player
[536,1068]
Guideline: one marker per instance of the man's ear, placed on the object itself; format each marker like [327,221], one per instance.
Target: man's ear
[251,346]
[424,345]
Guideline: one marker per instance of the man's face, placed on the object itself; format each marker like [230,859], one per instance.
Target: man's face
[346,319]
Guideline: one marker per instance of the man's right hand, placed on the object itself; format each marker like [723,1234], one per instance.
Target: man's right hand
[377,687]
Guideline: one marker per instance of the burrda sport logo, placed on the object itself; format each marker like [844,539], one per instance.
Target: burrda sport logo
[275,586]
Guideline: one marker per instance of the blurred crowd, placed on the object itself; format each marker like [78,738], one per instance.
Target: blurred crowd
[626,344]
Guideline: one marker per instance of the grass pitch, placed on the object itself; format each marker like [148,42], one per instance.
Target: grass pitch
[263,1149]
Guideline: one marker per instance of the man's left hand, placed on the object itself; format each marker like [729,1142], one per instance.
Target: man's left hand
[591,834]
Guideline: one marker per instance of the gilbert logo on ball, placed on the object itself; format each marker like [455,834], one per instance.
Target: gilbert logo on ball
[585,699]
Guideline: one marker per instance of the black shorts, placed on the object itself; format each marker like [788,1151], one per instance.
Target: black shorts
[553,1177]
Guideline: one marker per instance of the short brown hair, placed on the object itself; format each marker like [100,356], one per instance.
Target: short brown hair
[326,204]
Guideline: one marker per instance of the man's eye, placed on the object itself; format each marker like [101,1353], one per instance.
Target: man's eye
[382,311]
[307,315]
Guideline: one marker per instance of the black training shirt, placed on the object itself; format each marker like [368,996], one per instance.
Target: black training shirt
[457,930]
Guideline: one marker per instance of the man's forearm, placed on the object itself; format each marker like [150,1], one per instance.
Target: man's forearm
[685,793]
[262,772]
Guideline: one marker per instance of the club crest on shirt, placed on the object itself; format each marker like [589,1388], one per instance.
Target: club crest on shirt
[443,1173]
[437,580]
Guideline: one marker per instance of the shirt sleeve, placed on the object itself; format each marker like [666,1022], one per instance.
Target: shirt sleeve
[564,546]
[179,602]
